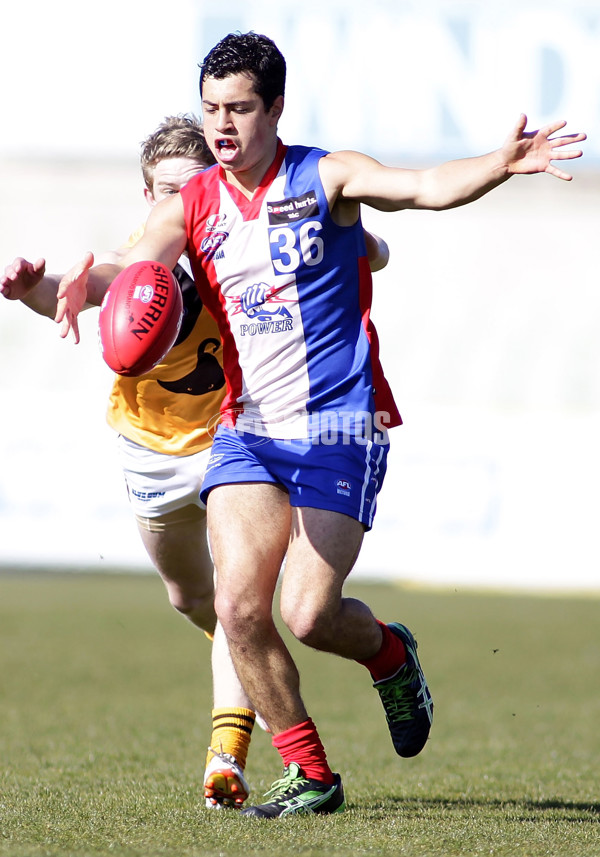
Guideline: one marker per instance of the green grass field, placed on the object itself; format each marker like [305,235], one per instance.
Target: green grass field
[105,717]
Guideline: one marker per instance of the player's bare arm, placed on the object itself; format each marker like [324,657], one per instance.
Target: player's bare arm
[164,240]
[29,283]
[350,176]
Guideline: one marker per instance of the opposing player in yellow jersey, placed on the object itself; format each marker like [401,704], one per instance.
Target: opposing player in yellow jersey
[163,422]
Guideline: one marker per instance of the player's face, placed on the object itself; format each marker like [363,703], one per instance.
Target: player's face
[171,175]
[239,131]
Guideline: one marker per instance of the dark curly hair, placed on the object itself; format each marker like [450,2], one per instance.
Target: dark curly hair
[251,54]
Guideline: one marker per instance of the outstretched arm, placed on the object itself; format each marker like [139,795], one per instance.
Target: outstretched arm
[350,177]
[164,240]
[29,283]
[523,153]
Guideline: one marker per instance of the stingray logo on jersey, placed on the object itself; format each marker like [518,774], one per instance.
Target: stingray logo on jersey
[265,308]
[292,209]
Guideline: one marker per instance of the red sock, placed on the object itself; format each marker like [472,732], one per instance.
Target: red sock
[390,657]
[301,744]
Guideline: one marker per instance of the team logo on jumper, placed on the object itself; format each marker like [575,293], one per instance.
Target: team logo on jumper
[216,222]
[212,242]
[343,487]
[292,209]
[265,310]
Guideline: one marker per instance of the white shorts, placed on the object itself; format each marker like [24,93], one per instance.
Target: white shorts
[159,484]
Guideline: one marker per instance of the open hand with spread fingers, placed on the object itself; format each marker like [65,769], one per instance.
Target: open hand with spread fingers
[72,296]
[528,152]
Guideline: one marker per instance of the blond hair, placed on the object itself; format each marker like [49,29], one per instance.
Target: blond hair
[178,136]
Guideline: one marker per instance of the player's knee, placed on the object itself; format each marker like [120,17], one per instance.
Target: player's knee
[307,624]
[198,607]
[240,616]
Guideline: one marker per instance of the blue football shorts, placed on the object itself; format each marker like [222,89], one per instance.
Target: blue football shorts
[343,477]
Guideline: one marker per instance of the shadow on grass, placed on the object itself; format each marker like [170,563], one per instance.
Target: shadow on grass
[526,810]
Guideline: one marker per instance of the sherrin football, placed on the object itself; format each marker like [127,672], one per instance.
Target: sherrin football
[140,318]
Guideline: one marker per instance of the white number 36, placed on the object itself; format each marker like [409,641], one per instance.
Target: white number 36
[286,254]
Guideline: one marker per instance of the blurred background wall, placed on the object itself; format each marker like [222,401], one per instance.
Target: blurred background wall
[487,314]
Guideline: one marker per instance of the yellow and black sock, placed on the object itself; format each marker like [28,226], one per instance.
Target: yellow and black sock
[231,733]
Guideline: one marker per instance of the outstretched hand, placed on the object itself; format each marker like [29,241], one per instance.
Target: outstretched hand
[20,277]
[72,295]
[528,152]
